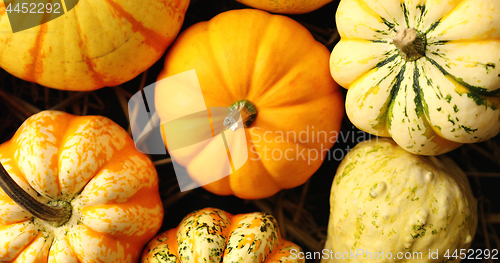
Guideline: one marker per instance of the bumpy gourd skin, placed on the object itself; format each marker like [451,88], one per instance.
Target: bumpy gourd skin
[97,43]
[386,199]
[435,103]
[286,6]
[92,163]
[213,235]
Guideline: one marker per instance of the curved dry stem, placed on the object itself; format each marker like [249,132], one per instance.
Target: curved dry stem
[57,213]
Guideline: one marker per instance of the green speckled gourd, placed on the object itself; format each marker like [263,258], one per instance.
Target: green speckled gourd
[426,73]
[386,199]
[213,235]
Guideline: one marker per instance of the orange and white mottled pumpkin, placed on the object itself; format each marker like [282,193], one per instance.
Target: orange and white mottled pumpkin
[213,235]
[90,166]
[95,44]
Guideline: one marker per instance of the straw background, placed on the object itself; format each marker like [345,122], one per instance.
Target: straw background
[302,212]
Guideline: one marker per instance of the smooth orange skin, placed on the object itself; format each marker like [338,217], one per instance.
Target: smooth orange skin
[96,44]
[274,62]
[286,6]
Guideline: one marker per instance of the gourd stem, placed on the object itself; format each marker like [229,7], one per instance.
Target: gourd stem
[411,43]
[243,108]
[57,215]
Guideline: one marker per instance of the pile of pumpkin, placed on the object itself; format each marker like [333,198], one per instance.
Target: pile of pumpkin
[76,189]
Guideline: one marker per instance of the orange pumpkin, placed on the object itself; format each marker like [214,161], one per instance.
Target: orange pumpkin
[97,43]
[286,6]
[92,197]
[274,72]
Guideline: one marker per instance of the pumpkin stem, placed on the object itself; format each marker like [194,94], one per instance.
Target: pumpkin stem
[56,212]
[244,108]
[411,43]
